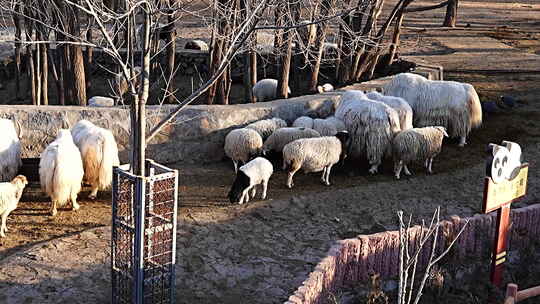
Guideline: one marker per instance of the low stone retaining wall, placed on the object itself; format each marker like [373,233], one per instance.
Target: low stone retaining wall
[351,260]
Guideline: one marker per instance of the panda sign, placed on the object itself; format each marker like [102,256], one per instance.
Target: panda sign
[505,182]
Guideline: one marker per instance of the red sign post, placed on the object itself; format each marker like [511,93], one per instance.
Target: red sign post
[499,196]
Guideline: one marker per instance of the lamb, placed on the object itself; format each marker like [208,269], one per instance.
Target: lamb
[314,155]
[372,125]
[100,101]
[266,127]
[283,136]
[61,171]
[266,89]
[99,154]
[10,151]
[325,88]
[241,145]
[196,45]
[10,194]
[417,144]
[453,105]
[401,106]
[303,122]
[256,172]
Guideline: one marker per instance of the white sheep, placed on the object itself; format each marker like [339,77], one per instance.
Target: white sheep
[99,154]
[417,144]
[338,123]
[61,171]
[241,145]
[196,45]
[401,106]
[266,89]
[371,124]
[325,88]
[325,127]
[266,127]
[256,172]
[10,194]
[100,101]
[314,155]
[10,151]
[303,122]
[450,104]
[283,136]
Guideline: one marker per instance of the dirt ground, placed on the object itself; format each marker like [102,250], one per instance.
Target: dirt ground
[260,252]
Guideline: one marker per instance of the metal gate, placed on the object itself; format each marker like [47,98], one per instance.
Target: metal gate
[143,242]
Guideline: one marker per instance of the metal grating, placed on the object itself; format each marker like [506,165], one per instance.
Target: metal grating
[144,235]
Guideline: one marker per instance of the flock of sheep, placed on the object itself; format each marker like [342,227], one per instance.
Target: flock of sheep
[369,125]
[84,153]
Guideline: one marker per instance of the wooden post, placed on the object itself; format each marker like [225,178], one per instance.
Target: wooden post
[451,13]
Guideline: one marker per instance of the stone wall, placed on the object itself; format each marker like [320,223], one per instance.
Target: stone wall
[197,133]
[351,260]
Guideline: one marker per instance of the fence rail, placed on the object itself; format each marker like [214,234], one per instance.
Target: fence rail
[514,296]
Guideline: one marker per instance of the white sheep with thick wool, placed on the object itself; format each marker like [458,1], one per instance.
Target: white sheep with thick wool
[283,136]
[241,145]
[266,127]
[10,194]
[326,127]
[99,153]
[453,105]
[338,123]
[256,172]
[61,171]
[266,89]
[371,124]
[399,104]
[417,144]
[314,155]
[303,122]
[10,151]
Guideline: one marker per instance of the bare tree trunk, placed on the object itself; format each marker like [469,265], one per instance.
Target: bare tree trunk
[395,40]
[30,57]
[38,68]
[451,13]
[344,65]
[326,5]
[56,76]
[18,37]
[250,61]
[252,73]
[79,76]
[89,58]
[60,52]
[44,75]
[171,53]
[286,50]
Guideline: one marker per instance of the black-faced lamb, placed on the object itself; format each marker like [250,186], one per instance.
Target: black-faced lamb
[417,144]
[256,172]
[99,154]
[10,151]
[241,145]
[266,127]
[401,106]
[371,124]
[266,89]
[283,136]
[10,194]
[61,171]
[314,155]
[453,105]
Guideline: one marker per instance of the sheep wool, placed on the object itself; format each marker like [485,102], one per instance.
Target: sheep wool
[10,194]
[417,144]
[283,136]
[314,155]
[454,105]
[10,151]
[254,173]
[241,145]
[372,125]
[266,127]
[61,171]
[338,123]
[324,127]
[325,88]
[266,89]
[303,122]
[99,153]
[402,108]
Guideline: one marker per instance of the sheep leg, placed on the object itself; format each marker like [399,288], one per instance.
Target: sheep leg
[406,170]
[397,168]
[253,191]
[429,165]
[235,166]
[323,176]
[290,183]
[462,141]
[327,182]
[53,208]
[245,196]
[74,205]
[264,187]
[3,228]
[93,194]
[374,168]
